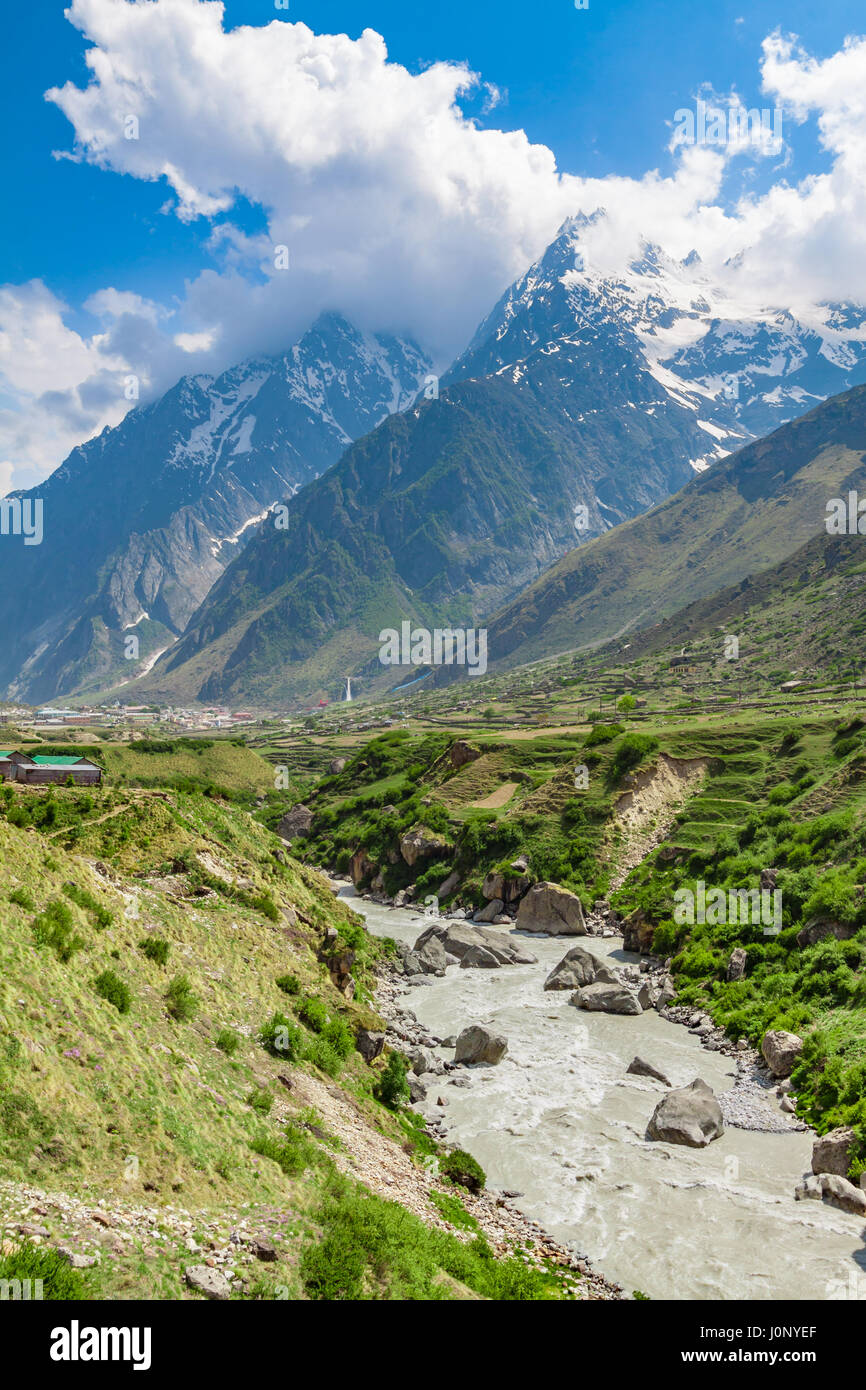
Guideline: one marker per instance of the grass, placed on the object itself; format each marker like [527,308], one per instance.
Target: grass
[48,1275]
[371,1248]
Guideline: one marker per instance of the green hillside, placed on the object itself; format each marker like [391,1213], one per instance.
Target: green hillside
[742,516]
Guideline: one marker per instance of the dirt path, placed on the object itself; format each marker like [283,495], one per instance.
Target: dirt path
[497,798]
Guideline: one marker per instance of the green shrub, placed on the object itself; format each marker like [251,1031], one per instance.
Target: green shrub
[181,1000]
[228,1041]
[289,984]
[392,1089]
[340,1037]
[260,1100]
[22,898]
[630,752]
[603,733]
[312,1012]
[324,1056]
[155,949]
[294,1153]
[86,901]
[54,928]
[368,1243]
[282,1038]
[110,986]
[461,1168]
[265,904]
[39,1262]
[453,1211]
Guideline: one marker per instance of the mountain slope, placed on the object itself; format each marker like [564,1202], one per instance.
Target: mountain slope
[141,521]
[441,513]
[746,514]
[805,615]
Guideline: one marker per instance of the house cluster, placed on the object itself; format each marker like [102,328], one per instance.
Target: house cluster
[39,770]
[122,716]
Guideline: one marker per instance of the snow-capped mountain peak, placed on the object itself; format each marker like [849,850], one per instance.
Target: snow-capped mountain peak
[742,369]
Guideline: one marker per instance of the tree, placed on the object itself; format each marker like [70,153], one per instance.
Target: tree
[625,704]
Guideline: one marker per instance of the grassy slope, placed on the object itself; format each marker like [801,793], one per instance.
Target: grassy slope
[143,1112]
[805,615]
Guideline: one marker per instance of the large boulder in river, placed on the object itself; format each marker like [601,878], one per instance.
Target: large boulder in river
[459,937]
[690,1115]
[479,1044]
[603,998]
[493,909]
[479,958]
[832,1152]
[549,908]
[780,1051]
[830,1187]
[431,957]
[577,968]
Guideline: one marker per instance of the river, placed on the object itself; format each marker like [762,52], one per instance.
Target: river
[560,1121]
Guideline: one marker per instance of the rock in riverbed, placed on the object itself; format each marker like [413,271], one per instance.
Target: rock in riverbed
[577,968]
[690,1116]
[549,908]
[457,938]
[832,1152]
[606,999]
[479,1044]
[839,1192]
[479,958]
[780,1051]
[638,1067]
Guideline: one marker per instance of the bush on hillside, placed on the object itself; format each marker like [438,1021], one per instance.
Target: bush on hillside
[181,1000]
[461,1168]
[392,1089]
[110,986]
[155,949]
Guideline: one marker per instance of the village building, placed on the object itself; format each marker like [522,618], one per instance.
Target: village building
[43,770]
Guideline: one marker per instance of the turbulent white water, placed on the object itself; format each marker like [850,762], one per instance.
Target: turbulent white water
[560,1121]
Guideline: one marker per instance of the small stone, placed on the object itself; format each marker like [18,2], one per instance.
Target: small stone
[208,1281]
[263,1249]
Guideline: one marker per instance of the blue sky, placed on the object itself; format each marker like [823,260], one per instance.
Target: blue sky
[409,204]
[599,87]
